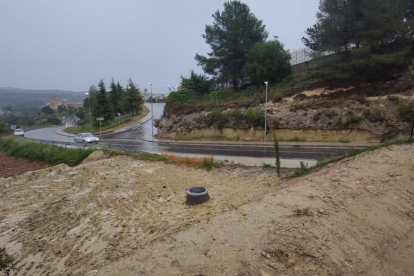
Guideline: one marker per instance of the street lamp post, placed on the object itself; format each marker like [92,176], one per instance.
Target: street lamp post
[152,115]
[265,113]
[90,122]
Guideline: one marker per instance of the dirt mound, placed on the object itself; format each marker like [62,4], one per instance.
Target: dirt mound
[95,156]
[121,216]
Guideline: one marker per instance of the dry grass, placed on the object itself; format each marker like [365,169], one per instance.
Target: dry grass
[192,162]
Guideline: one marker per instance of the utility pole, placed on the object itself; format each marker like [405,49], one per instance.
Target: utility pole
[152,115]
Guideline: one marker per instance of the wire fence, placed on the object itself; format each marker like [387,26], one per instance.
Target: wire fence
[300,56]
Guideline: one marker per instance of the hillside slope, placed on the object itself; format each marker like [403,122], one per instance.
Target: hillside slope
[121,216]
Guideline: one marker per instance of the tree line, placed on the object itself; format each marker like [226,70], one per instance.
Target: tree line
[363,39]
[367,39]
[115,102]
[240,52]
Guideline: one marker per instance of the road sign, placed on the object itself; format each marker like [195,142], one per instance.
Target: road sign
[99,118]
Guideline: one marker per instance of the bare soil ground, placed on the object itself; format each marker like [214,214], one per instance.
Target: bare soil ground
[10,166]
[121,216]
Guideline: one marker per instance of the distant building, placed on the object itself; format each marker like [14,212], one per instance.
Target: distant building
[54,102]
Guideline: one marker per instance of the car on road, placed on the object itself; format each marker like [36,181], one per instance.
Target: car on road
[18,132]
[86,138]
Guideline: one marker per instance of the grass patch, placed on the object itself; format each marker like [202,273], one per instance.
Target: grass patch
[302,170]
[20,147]
[134,154]
[95,129]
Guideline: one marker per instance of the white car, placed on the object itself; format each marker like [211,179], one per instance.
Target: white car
[19,132]
[86,138]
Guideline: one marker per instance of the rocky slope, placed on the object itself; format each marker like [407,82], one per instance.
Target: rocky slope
[332,113]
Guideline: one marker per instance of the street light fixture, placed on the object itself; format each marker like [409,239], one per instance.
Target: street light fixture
[265,113]
[152,115]
[90,121]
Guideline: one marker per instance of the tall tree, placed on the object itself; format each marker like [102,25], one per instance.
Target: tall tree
[114,96]
[267,61]
[234,31]
[102,106]
[378,29]
[132,100]
[345,23]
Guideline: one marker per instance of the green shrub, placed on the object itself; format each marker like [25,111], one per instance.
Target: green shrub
[51,154]
[209,164]
[255,116]
[343,140]
[7,263]
[277,155]
[302,170]
[405,111]
[376,113]
[351,119]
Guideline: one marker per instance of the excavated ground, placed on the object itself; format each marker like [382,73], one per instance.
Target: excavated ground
[121,216]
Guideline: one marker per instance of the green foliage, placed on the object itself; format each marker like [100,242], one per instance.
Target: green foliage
[352,119]
[7,262]
[209,164]
[255,116]
[51,154]
[302,170]
[3,128]
[101,106]
[405,111]
[377,31]
[277,155]
[53,120]
[196,83]
[234,31]
[84,127]
[131,101]
[267,61]
[47,110]
[376,113]
[343,140]
[115,94]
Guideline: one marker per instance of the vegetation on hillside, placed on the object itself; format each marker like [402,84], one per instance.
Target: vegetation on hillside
[366,40]
[354,42]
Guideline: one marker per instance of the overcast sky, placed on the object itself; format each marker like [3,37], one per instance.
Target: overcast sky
[71,44]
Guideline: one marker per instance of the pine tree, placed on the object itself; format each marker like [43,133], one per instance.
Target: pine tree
[102,106]
[115,95]
[234,31]
[132,100]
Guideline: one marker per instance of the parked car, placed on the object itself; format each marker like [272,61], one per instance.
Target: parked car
[86,138]
[19,132]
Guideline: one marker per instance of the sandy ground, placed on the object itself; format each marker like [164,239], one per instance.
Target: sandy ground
[125,217]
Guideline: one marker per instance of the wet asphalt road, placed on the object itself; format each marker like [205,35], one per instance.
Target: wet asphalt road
[140,138]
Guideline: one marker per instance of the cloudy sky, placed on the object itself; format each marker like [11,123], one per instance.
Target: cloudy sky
[71,44]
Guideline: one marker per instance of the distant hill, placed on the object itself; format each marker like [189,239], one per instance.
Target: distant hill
[28,99]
